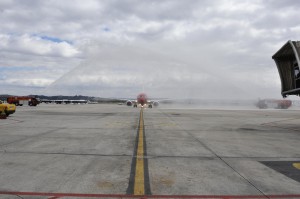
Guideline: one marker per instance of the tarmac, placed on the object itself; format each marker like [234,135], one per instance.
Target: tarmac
[112,151]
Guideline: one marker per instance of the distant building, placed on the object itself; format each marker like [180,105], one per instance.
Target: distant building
[288,62]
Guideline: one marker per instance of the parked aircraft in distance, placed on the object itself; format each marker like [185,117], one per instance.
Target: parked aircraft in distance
[142,101]
[64,101]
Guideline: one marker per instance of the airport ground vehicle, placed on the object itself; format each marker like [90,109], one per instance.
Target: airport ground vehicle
[7,108]
[21,100]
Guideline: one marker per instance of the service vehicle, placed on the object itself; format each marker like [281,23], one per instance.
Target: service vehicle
[6,108]
[21,100]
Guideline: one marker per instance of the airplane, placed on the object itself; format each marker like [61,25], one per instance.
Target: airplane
[142,101]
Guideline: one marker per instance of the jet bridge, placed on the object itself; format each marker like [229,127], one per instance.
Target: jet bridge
[287,61]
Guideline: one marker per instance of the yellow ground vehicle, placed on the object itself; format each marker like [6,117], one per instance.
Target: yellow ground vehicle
[7,108]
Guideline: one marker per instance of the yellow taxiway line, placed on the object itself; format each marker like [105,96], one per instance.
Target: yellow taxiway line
[139,180]
[297,165]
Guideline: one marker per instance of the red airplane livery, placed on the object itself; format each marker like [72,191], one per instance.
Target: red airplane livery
[142,101]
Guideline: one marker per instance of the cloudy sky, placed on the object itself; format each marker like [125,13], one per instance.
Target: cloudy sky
[167,48]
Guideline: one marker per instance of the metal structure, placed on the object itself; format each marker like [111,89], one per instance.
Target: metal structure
[288,62]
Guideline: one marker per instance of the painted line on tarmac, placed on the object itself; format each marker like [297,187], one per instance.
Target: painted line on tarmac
[139,179]
[296,165]
[86,195]
[139,183]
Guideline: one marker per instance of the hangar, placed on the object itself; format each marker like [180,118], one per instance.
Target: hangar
[287,61]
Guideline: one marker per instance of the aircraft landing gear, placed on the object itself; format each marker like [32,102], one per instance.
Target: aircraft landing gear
[150,106]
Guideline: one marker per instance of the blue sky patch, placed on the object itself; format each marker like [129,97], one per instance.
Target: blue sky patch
[106,29]
[53,39]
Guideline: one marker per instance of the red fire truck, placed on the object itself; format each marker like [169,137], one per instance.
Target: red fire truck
[21,100]
[273,103]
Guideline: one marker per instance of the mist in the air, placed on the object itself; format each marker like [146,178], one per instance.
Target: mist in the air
[173,70]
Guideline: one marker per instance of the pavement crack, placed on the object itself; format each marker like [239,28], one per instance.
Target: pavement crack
[30,137]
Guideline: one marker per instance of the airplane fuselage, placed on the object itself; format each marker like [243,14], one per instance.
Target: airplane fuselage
[142,99]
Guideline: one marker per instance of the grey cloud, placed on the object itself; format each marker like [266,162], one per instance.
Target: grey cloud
[152,10]
[279,5]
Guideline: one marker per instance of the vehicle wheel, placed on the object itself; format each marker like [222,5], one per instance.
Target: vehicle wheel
[6,113]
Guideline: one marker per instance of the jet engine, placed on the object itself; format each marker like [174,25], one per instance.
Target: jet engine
[155,103]
[129,103]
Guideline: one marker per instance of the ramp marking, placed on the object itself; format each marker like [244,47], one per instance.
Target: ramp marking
[95,195]
[139,180]
[296,165]
[139,183]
